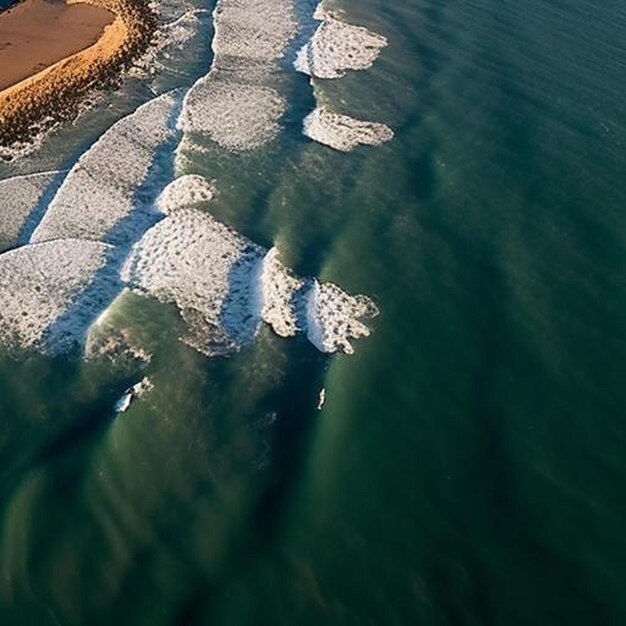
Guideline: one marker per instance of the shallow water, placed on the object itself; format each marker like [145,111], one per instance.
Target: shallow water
[468,464]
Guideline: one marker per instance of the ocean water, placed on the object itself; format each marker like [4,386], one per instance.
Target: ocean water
[468,464]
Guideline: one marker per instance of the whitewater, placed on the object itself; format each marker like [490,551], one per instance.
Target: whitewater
[127,217]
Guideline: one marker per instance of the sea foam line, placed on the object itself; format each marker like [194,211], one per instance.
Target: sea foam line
[335,48]
[108,194]
[104,204]
[223,284]
[24,198]
[234,104]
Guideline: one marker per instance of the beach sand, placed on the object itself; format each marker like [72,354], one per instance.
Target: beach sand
[121,29]
[37,33]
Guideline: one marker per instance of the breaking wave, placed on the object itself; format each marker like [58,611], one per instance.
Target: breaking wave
[334,48]
[121,219]
[235,104]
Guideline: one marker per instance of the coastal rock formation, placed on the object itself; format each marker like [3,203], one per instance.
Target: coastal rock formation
[342,132]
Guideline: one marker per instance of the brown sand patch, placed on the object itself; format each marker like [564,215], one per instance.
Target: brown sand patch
[56,92]
[37,33]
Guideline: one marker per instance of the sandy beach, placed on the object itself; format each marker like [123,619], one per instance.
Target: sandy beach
[60,51]
[37,33]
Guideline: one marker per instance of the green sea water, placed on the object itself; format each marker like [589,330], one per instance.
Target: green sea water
[469,464]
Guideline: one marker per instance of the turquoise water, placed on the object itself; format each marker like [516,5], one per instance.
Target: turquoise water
[469,462]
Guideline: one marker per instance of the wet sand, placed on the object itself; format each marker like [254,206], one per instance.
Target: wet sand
[37,33]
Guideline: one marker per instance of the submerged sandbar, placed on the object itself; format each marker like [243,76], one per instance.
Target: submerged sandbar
[35,34]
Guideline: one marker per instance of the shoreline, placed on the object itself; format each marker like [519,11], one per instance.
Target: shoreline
[35,34]
[8,7]
[55,93]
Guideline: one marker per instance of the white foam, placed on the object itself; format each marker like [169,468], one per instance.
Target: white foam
[321,399]
[342,132]
[258,30]
[19,197]
[278,295]
[337,47]
[204,268]
[116,180]
[235,104]
[178,50]
[51,292]
[169,12]
[187,191]
[137,390]
[333,318]
[237,116]
[224,286]
[334,48]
